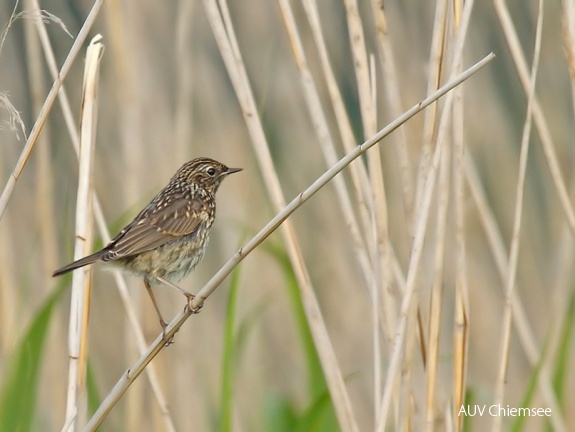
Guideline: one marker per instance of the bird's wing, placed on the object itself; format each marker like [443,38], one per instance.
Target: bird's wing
[157,225]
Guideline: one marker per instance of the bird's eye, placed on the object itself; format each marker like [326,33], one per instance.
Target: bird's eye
[211,171]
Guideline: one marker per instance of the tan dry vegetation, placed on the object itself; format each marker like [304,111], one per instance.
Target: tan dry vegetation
[165,96]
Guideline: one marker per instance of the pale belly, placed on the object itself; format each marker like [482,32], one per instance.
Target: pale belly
[172,261]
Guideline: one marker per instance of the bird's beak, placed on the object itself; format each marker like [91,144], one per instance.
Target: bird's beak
[233,170]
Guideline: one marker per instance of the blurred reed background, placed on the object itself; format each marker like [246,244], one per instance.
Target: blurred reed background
[491,315]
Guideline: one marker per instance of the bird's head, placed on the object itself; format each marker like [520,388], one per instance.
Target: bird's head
[205,173]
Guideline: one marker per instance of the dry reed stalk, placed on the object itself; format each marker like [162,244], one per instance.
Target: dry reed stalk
[47,106]
[422,211]
[436,310]
[127,302]
[8,297]
[560,305]
[327,145]
[44,180]
[461,315]
[359,228]
[568,33]
[436,300]
[222,28]
[185,80]
[123,63]
[435,74]
[520,320]
[379,243]
[132,373]
[539,119]
[560,302]
[13,17]
[548,146]
[394,372]
[515,240]
[120,22]
[461,327]
[328,149]
[69,117]
[102,226]
[461,19]
[393,98]
[378,321]
[9,328]
[45,197]
[358,172]
[325,139]
[436,59]
[76,404]
[460,358]
[456,170]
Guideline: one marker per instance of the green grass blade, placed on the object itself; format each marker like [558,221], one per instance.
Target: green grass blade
[561,372]
[94,399]
[229,356]
[562,369]
[520,421]
[317,386]
[469,400]
[279,414]
[319,417]
[18,398]
[316,379]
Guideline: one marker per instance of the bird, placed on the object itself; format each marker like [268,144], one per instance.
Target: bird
[168,238]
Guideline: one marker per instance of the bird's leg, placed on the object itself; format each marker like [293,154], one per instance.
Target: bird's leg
[188,295]
[174,286]
[162,322]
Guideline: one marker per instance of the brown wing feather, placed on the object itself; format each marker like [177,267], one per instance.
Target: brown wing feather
[178,218]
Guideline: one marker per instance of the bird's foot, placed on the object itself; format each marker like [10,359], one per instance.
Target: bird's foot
[189,306]
[168,341]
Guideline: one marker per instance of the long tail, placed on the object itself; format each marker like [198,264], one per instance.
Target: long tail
[77,264]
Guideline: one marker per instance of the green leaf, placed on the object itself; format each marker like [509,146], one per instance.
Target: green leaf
[18,397]
[228,363]
[280,415]
[94,399]
[320,414]
[316,379]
